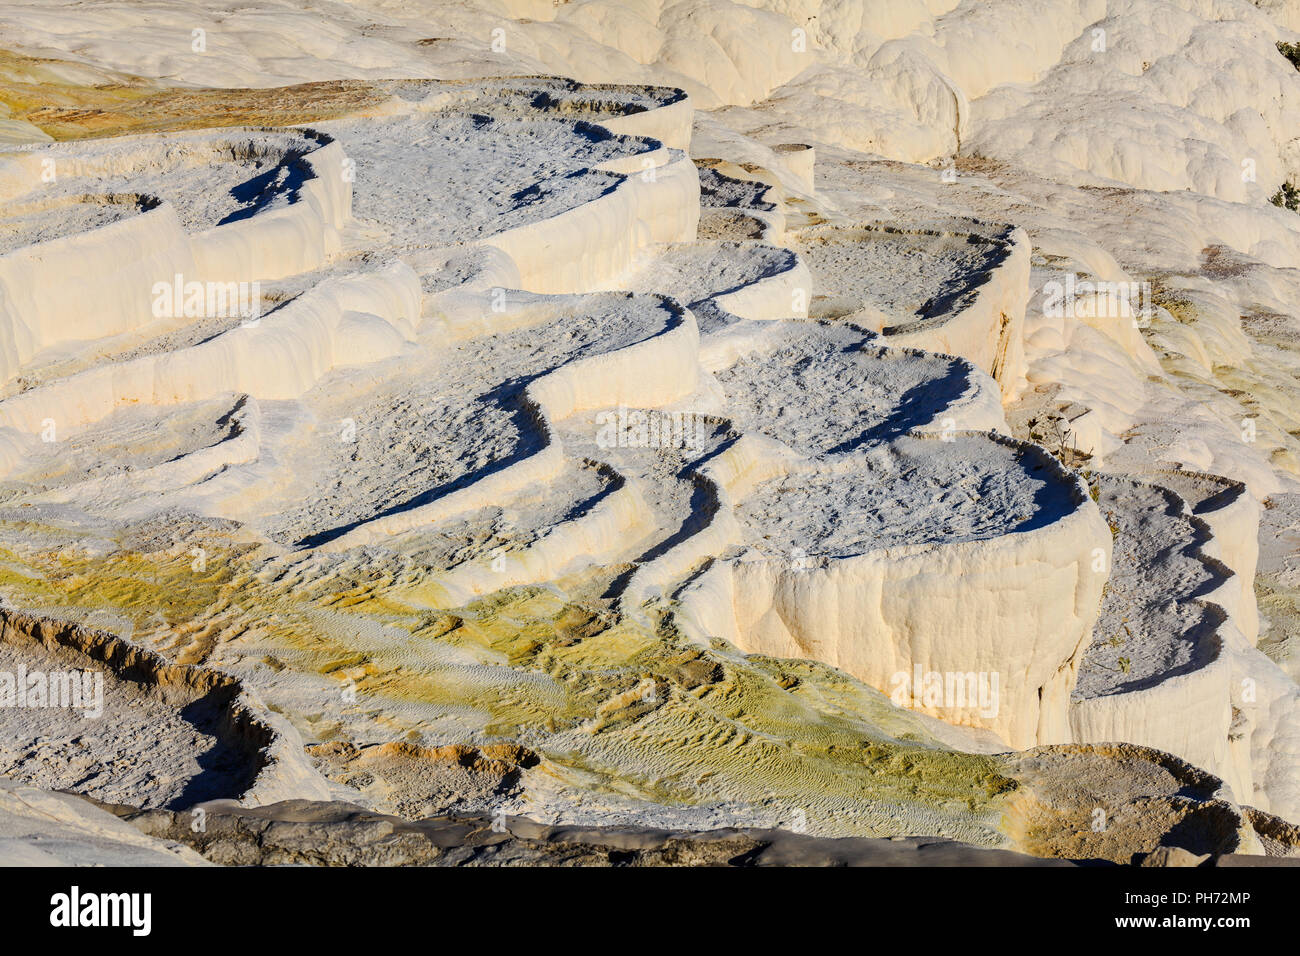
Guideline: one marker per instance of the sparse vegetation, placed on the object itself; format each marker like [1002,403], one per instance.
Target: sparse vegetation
[1052,431]
[1094,486]
[1291,51]
[1172,301]
[1287,197]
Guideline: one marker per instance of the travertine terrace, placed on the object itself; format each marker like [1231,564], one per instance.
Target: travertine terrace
[674,414]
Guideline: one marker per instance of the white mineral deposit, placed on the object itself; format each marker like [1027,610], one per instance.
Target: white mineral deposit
[740,423]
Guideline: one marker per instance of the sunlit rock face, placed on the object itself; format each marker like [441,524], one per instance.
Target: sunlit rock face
[860,419]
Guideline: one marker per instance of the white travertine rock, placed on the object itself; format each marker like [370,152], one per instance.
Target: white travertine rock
[670,123]
[1185,607]
[620,517]
[88,285]
[584,248]
[981,320]
[651,373]
[734,470]
[1232,515]
[989,330]
[1157,716]
[280,356]
[103,282]
[1020,605]
[801,160]
[288,240]
[1120,141]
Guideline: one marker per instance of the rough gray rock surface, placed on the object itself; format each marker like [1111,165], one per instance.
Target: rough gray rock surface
[338,834]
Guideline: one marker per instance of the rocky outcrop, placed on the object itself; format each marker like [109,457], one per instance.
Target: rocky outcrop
[274,765]
[336,834]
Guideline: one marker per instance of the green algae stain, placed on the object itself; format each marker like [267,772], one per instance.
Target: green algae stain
[614,706]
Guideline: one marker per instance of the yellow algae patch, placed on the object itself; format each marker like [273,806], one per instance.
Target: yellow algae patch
[613,707]
[68,101]
[738,723]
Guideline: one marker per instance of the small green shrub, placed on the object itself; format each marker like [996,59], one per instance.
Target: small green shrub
[1288,197]
[1291,51]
